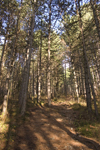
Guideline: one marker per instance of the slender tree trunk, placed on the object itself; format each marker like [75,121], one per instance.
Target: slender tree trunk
[2,55]
[81,76]
[35,92]
[86,67]
[10,71]
[82,80]
[27,67]
[97,64]
[46,82]
[75,78]
[52,89]
[5,44]
[76,85]
[65,81]
[39,82]
[97,70]
[33,80]
[39,69]
[8,89]
[48,76]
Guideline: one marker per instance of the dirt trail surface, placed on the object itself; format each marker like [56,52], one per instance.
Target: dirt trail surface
[51,128]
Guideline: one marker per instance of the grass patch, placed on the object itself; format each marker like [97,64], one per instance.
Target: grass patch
[89,129]
[59,99]
[76,106]
[8,127]
[84,124]
[55,100]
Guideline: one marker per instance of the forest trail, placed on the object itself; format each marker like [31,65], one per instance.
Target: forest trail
[50,128]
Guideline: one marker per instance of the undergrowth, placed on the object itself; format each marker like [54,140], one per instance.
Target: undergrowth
[85,124]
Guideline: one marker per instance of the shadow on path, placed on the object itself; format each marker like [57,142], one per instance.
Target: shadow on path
[46,128]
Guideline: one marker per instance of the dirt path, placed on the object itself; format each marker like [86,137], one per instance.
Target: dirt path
[51,128]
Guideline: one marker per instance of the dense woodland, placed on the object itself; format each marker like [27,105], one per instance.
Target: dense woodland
[49,74]
[51,48]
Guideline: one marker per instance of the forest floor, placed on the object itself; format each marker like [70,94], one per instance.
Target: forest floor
[45,128]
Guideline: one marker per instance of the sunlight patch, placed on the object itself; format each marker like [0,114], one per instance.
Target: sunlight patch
[59,119]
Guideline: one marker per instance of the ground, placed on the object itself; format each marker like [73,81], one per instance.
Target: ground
[48,128]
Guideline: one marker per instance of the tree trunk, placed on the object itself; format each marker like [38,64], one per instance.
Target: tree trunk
[39,69]
[27,67]
[39,82]
[2,55]
[33,80]
[76,85]
[10,70]
[86,66]
[48,76]
[65,82]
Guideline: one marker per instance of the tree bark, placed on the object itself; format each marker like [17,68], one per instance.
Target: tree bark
[65,82]
[48,75]
[27,67]
[86,67]
[33,90]
[10,70]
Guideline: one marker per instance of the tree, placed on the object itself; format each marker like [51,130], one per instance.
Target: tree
[25,77]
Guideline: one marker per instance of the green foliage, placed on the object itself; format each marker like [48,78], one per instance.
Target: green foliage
[85,125]
[76,106]
[55,99]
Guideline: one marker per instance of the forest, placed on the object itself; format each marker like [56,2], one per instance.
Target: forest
[49,75]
